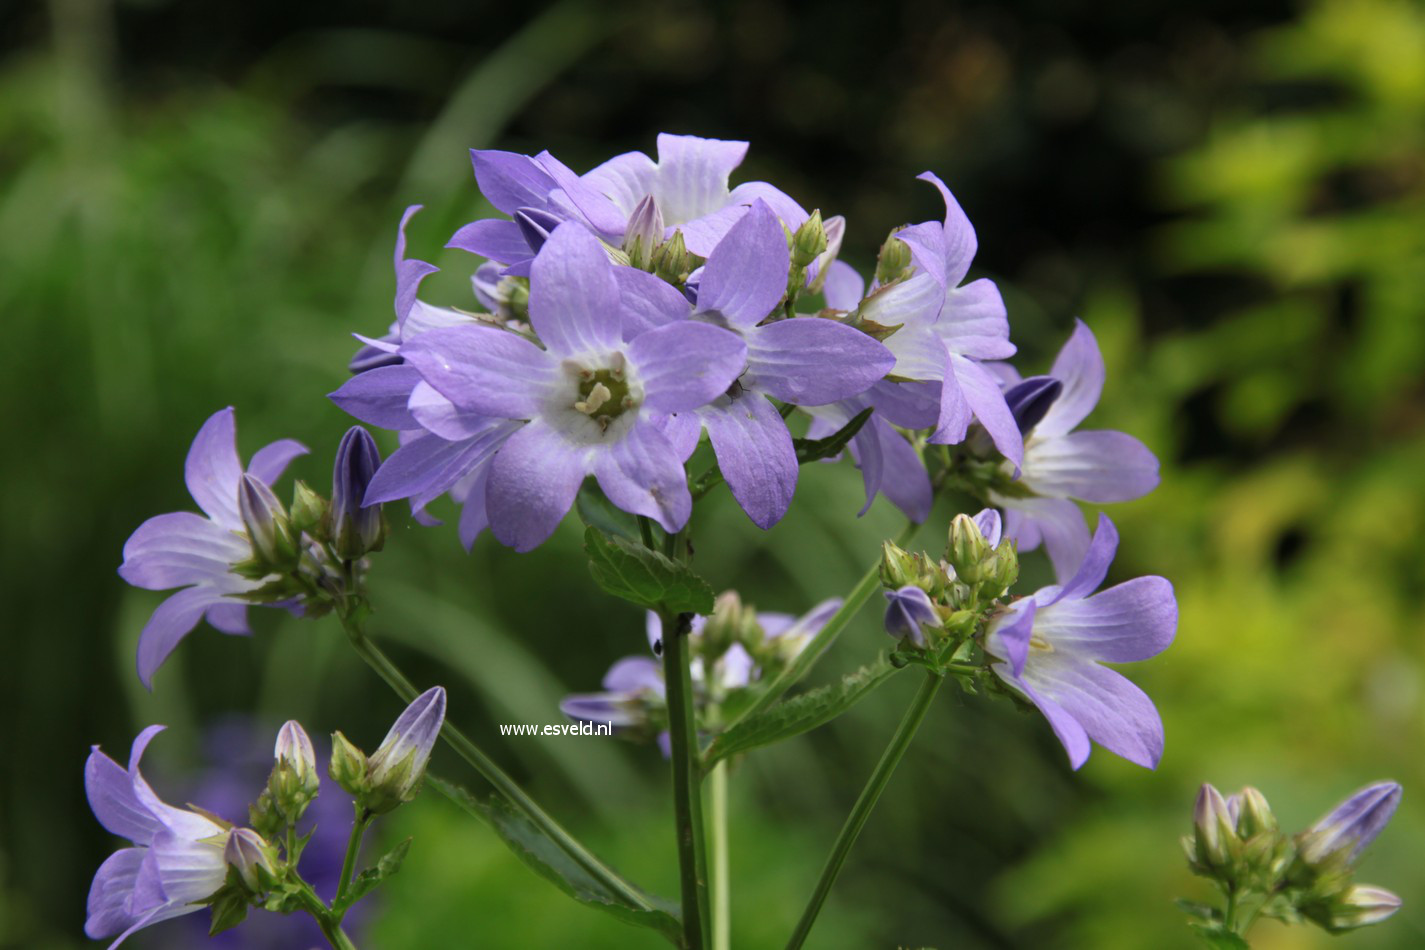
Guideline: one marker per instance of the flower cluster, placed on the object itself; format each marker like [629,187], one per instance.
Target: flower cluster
[733,651]
[184,859]
[251,549]
[1047,648]
[1262,871]
[629,310]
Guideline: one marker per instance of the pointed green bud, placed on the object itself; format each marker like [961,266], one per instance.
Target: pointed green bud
[348,765]
[727,625]
[968,549]
[293,782]
[671,261]
[898,567]
[1254,815]
[835,231]
[309,511]
[809,241]
[893,261]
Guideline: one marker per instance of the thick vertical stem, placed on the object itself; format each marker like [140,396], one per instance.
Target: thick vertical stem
[861,811]
[353,850]
[687,797]
[721,873]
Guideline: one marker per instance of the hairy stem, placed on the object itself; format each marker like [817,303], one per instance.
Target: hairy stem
[861,811]
[492,773]
[819,644]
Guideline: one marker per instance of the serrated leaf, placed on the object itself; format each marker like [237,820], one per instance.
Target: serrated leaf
[801,713]
[596,511]
[547,859]
[631,571]
[813,450]
[367,880]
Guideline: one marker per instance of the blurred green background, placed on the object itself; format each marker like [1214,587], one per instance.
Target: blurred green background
[197,202]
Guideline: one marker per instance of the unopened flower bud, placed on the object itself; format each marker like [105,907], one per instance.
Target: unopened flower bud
[309,511]
[1254,814]
[355,528]
[1361,906]
[348,765]
[909,611]
[893,261]
[968,549]
[267,524]
[835,232]
[255,861]
[293,782]
[644,233]
[809,241]
[536,226]
[1030,400]
[396,769]
[1215,831]
[1341,836]
[898,566]
[670,260]
[1001,568]
[731,622]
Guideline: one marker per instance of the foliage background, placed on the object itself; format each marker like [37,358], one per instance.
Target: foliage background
[196,208]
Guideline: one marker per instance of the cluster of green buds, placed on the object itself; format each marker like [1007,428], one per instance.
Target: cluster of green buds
[1264,872]
[311,552]
[393,773]
[937,607]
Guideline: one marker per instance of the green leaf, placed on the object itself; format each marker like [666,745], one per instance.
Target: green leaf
[596,511]
[365,882]
[629,570]
[812,450]
[1222,939]
[800,713]
[229,909]
[552,863]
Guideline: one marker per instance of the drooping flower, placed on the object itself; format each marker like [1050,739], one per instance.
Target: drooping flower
[590,403]
[800,361]
[186,550]
[1062,465]
[1051,645]
[176,861]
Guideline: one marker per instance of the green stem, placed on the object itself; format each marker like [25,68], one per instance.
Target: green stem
[687,797]
[492,773]
[721,873]
[818,645]
[353,850]
[862,809]
[328,922]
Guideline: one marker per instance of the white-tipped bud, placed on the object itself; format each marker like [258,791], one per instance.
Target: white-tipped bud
[644,233]
[255,861]
[396,769]
[266,521]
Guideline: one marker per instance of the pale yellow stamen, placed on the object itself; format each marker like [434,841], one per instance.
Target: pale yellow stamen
[597,397]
